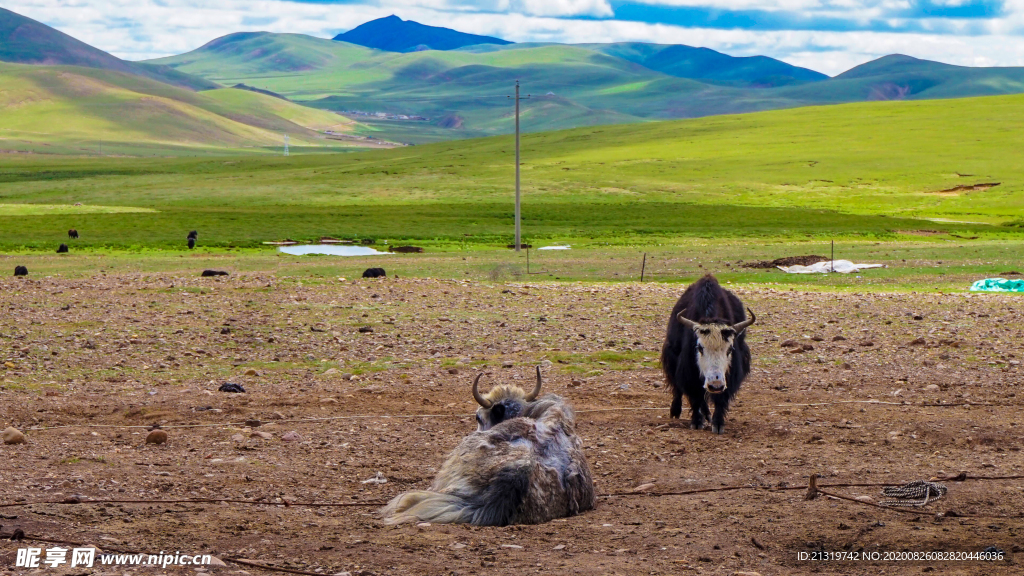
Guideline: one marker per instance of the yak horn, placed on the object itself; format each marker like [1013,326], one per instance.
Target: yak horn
[476,393]
[686,321]
[533,395]
[743,325]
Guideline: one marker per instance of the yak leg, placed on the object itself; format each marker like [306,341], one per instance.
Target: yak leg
[677,404]
[721,407]
[698,410]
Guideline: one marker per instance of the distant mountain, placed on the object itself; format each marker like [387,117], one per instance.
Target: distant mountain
[26,41]
[706,64]
[899,77]
[396,35]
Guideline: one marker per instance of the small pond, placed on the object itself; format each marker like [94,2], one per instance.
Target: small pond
[330,250]
[554,248]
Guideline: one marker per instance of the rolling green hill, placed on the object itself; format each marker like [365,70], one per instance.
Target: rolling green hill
[875,170]
[25,41]
[78,110]
[463,93]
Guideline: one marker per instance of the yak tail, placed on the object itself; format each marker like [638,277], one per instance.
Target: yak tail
[497,505]
[424,506]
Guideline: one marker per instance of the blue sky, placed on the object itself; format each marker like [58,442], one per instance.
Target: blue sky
[825,35]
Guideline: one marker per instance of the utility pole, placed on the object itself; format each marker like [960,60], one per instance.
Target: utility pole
[518,235]
[517,167]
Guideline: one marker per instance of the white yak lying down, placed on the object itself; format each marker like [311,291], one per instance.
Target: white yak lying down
[524,466]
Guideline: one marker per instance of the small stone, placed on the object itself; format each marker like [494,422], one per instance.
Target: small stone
[263,435]
[13,436]
[423,525]
[644,487]
[251,372]
[457,546]
[156,437]
[331,372]
[253,423]
[214,561]
[864,499]
[838,338]
[508,364]
[328,401]
[546,363]
[788,344]
[918,342]
[453,371]
[931,388]
[291,436]
[846,366]
[512,546]
[746,574]
[347,376]
[238,438]
[365,329]
[559,547]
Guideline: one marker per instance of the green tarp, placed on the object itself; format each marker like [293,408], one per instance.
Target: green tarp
[998,285]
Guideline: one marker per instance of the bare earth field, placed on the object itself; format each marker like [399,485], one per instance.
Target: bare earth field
[88,364]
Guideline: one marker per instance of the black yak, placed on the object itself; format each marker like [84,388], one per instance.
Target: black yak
[193,235]
[705,355]
[62,249]
[522,466]
[406,249]
[20,271]
[191,243]
[73,234]
[374,273]
[207,273]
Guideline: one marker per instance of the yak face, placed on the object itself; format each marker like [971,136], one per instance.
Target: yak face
[715,340]
[714,354]
[501,403]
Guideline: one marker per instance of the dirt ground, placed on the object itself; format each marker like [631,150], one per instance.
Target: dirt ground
[94,356]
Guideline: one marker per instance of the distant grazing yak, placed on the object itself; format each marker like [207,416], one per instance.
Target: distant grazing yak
[374,273]
[407,249]
[191,243]
[523,465]
[705,355]
[20,271]
[213,273]
[62,249]
[73,234]
[193,234]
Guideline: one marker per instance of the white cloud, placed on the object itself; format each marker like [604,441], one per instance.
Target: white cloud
[138,29]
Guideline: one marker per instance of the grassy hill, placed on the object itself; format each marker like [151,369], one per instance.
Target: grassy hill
[865,170]
[25,41]
[463,92]
[77,110]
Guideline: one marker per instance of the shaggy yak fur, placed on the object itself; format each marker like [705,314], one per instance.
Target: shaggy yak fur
[525,467]
[73,233]
[705,355]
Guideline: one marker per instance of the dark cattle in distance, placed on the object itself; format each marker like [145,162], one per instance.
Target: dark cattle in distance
[705,355]
[73,234]
[407,249]
[214,273]
[20,271]
[62,249]
[191,243]
[374,273]
[193,234]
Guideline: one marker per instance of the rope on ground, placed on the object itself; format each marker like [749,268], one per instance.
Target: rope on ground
[592,410]
[283,502]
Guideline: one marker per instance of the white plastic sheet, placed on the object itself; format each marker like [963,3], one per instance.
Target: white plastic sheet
[841,266]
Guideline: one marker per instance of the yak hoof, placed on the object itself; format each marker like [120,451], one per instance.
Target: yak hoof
[718,428]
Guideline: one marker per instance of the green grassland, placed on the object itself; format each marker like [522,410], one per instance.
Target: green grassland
[870,171]
[75,110]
